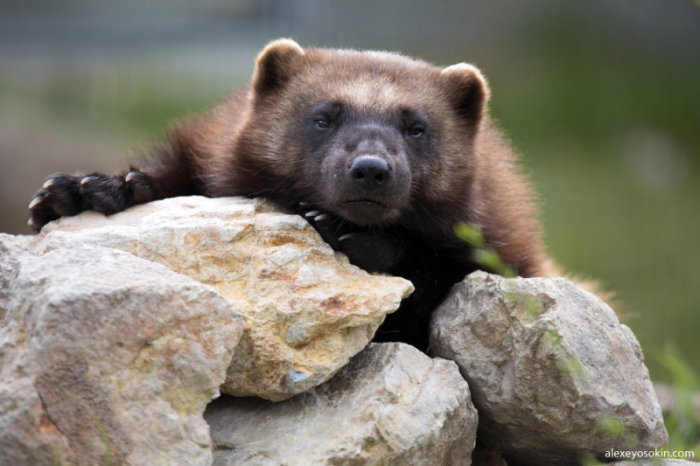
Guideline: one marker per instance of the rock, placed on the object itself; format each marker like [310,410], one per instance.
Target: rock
[105,357]
[391,405]
[12,248]
[552,371]
[307,311]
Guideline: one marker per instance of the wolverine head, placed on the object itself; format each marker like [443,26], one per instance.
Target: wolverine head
[365,135]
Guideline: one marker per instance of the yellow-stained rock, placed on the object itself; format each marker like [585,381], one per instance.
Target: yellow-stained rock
[307,311]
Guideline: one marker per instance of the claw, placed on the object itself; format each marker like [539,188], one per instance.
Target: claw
[30,222]
[130,176]
[85,180]
[313,213]
[35,201]
[48,184]
[321,217]
[303,204]
[346,237]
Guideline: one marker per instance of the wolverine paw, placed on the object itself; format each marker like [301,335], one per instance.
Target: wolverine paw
[373,251]
[59,196]
[370,249]
[67,195]
[326,224]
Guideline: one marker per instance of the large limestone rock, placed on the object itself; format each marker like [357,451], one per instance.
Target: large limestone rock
[12,248]
[552,371]
[105,357]
[392,405]
[307,311]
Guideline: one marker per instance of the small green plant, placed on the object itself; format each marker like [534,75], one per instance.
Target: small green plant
[590,460]
[683,421]
[486,257]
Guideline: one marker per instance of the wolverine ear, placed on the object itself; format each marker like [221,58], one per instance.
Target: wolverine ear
[274,65]
[468,90]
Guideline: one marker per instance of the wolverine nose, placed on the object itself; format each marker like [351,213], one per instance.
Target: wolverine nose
[370,171]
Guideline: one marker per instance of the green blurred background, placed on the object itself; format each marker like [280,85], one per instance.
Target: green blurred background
[602,98]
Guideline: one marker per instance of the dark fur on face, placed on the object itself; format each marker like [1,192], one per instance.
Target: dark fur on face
[373,104]
[383,154]
[361,163]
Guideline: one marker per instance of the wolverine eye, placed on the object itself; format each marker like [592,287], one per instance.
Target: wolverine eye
[322,124]
[415,132]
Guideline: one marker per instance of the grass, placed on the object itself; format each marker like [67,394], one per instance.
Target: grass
[683,422]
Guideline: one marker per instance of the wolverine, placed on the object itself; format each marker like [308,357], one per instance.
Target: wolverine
[383,154]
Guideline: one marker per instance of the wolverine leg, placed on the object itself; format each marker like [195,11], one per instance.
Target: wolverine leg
[170,171]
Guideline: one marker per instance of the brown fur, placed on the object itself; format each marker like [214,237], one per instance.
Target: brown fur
[229,146]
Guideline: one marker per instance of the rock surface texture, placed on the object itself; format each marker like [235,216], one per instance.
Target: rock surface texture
[306,310]
[105,357]
[392,405]
[552,371]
